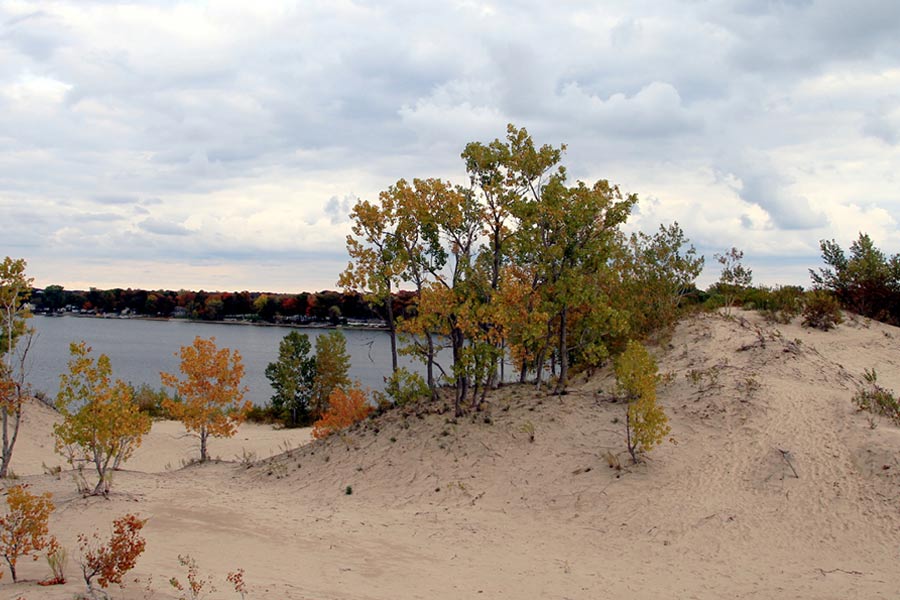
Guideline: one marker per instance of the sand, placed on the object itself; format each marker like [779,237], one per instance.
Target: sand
[444,508]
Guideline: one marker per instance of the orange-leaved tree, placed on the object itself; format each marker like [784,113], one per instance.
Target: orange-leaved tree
[24,529]
[345,407]
[108,562]
[100,422]
[212,401]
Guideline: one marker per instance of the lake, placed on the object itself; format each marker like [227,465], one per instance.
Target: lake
[140,349]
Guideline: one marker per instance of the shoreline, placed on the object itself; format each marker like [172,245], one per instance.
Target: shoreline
[360,327]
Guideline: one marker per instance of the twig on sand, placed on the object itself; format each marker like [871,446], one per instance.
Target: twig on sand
[824,572]
[786,455]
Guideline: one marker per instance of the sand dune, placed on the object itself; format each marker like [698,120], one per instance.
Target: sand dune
[447,508]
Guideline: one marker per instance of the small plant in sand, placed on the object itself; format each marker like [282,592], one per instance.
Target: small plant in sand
[212,397]
[236,579]
[196,584]
[57,560]
[646,425]
[24,529]
[105,563]
[345,407]
[528,429]
[877,400]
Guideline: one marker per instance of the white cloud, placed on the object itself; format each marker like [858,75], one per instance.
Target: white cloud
[247,130]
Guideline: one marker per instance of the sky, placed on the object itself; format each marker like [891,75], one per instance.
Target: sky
[220,145]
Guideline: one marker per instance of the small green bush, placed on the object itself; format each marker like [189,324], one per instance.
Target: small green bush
[821,310]
[152,401]
[403,387]
[266,415]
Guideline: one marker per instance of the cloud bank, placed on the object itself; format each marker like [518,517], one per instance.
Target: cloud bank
[221,144]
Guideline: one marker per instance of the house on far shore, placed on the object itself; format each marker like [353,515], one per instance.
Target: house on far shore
[180,312]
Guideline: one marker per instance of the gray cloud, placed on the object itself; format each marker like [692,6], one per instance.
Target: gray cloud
[243,117]
[761,184]
[338,210]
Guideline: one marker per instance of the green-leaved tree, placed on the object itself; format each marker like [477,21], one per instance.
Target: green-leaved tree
[292,377]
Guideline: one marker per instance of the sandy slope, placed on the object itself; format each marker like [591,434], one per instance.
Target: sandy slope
[444,508]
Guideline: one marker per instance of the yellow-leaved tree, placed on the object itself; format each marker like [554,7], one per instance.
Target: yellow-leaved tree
[212,398]
[646,425]
[101,424]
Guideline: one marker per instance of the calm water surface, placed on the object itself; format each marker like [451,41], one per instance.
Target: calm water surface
[139,350]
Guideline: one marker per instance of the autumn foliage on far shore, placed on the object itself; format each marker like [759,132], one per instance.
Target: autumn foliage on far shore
[345,407]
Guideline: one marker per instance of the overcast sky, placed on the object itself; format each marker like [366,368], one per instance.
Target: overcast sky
[220,144]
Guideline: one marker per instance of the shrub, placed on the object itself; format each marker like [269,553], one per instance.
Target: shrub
[152,402]
[403,387]
[646,425]
[821,310]
[877,399]
[24,529]
[57,560]
[108,562]
[236,578]
[345,407]
[266,415]
[779,304]
[195,583]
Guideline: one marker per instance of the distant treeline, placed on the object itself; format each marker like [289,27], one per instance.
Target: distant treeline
[324,306]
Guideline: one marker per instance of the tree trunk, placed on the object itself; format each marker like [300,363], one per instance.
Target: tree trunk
[12,570]
[631,447]
[203,435]
[563,352]
[392,330]
[7,455]
[429,366]
[462,382]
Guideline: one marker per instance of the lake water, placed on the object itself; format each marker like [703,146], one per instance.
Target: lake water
[139,350]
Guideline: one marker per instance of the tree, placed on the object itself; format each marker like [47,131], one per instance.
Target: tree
[374,266]
[332,365]
[646,425]
[867,282]
[108,562]
[15,288]
[569,235]
[735,276]
[24,530]
[292,377]
[212,397]
[54,297]
[657,271]
[345,407]
[100,420]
